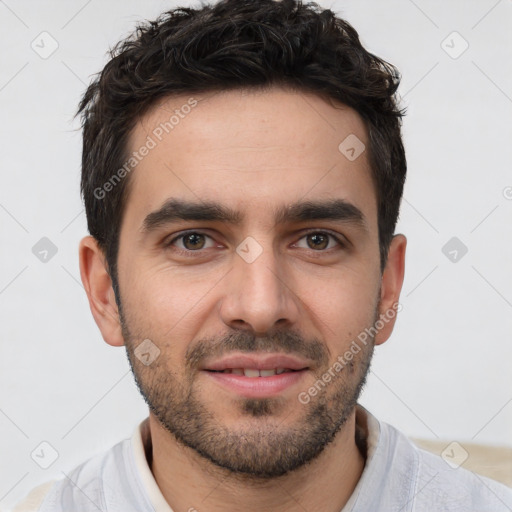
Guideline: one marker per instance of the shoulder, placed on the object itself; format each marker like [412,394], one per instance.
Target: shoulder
[32,502]
[88,487]
[440,485]
[443,482]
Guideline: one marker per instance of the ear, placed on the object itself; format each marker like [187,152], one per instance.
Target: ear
[98,286]
[391,285]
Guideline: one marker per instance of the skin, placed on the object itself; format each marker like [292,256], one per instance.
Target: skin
[253,152]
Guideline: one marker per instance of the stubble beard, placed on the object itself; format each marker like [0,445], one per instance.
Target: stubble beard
[262,447]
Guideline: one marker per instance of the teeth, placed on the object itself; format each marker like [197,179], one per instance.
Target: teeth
[249,372]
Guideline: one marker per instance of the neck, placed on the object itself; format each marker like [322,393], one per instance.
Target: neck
[190,482]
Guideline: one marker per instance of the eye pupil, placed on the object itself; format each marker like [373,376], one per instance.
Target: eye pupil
[193,238]
[318,237]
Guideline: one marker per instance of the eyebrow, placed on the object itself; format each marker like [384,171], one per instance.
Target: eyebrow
[175,209]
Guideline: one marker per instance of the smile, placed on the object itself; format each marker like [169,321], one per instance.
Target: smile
[253,372]
[254,383]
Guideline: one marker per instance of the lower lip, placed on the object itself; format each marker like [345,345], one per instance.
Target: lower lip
[257,387]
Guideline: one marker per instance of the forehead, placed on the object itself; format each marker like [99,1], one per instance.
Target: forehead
[249,150]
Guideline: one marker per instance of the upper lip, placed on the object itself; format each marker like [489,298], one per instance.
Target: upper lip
[257,362]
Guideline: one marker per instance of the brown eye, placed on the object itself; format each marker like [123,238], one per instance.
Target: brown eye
[318,241]
[193,241]
[190,242]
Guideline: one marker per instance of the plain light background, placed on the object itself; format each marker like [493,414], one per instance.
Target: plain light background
[446,371]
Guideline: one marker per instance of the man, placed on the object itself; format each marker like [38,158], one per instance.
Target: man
[242,174]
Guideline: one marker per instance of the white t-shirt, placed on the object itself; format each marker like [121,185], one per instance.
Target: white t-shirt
[398,477]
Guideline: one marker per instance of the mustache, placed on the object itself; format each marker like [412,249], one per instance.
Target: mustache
[245,341]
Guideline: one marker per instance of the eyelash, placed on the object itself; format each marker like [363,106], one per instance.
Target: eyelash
[191,253]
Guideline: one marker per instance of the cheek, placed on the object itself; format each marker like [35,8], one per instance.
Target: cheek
[343,307]
[168,307]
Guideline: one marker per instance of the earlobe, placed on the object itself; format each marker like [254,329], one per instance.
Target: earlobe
[98,286]
[391,286]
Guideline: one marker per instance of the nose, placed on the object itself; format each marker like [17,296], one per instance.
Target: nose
[259,295]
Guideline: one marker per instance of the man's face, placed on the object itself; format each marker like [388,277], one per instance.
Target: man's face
[281,284]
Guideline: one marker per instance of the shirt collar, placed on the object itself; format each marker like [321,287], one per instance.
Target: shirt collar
[367,425]
[368,428]
[142,451]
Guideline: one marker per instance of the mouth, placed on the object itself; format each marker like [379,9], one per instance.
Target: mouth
[254,372]
[257,375]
